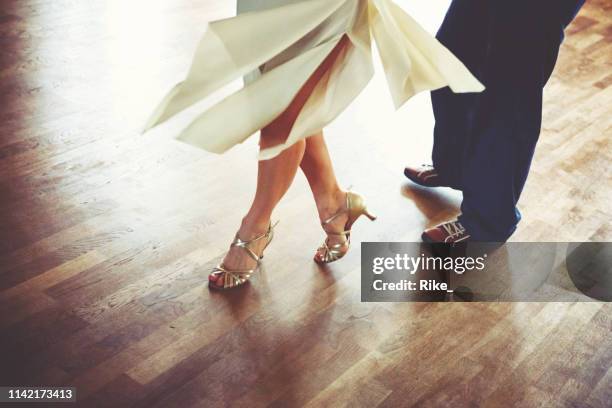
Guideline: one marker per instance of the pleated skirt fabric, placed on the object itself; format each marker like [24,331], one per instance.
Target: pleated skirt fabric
[276,45]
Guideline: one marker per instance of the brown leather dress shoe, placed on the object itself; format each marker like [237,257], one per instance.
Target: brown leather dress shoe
[449,233]
[424,175]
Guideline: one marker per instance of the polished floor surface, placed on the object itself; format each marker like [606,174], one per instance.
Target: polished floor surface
[107,235]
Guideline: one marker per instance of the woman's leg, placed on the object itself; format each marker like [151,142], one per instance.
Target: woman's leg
[276,175]
[330,198]
[317,166]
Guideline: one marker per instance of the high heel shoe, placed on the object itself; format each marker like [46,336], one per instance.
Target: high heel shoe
[235,278]
[355,207]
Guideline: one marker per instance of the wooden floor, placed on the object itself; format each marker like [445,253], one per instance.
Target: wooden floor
[107,236]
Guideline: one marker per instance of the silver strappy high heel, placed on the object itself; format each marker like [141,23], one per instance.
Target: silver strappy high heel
[355,207]
[235,278]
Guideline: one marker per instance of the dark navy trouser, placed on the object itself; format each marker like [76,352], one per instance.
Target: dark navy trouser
[484,143]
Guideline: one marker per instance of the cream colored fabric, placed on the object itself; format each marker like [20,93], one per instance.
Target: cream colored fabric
[286,44]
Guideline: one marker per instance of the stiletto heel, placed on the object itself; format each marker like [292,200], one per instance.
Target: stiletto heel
[235,278]
[355,207]
[371,216]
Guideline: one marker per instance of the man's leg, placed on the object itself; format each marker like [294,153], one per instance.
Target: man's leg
[525,38]
[463,32]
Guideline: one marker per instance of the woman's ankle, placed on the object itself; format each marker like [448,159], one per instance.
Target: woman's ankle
[330,203]
[253,226]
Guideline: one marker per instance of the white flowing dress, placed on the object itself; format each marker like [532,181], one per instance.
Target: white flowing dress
[278,44]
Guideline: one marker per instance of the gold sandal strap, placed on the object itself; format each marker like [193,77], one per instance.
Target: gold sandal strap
[232,278]
[339,213]
[339,244]
[221,269]
[339,234]
[333,217]
[332,253]
[245,244]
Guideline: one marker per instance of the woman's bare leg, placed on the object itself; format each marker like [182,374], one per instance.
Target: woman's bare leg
[274,176]
[330,198]
[317,166]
